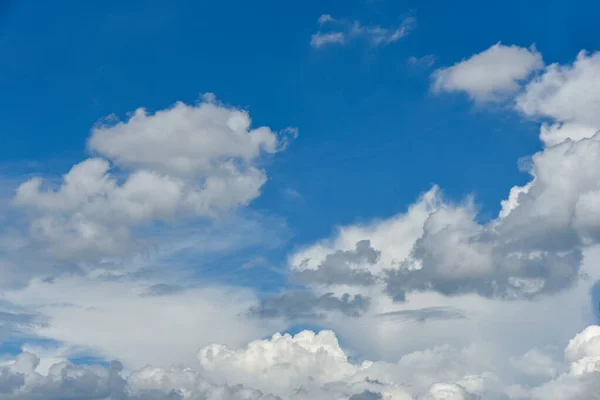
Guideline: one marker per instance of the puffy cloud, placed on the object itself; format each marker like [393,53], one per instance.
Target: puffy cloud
[553,134]
[306,366]
[285,361]
[63,381]
[185,140]
[313,364]
[569,95]
[340,267]
[453,337]
[491,75]
[581,380]
[392,238]
[184,161]
[19,380]
[447,391]
[533,248]
[458,255]
[349,31]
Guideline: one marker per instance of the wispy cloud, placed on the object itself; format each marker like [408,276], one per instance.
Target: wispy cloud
[424,61]
[325,18]
[348,31]
[319,39]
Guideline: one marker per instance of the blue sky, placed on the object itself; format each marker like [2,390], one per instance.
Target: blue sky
[394,136]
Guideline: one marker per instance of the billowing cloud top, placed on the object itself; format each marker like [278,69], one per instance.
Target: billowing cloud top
[490,75]
[182,162]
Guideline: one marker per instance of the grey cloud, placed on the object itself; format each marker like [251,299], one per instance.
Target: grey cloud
[366,395]
[16,323]
[457,255]
[10,381]
[337,268]
[307,305]
[425,314]
[66,381]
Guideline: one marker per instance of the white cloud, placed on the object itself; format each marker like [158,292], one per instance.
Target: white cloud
[381,36]
[116,319]
[319,39]
[491,75]
[182,162]
[455,335]
[184,140]
[350,31]
[425,61]
[447,391]
[306,366]
[394,237]
[306,360]
[568,94]
[325,18]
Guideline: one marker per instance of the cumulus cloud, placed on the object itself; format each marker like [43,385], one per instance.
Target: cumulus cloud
[187,161]
[569,95]
[534,248]
[450,252]
[447,391]
[392,238]
[453,335]
[340,267]
[306,366]
[349,31]
[438,256]
[19,380]
[491,75]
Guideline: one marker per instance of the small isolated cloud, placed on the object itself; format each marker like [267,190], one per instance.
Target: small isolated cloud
[491,75]
[319,39]
[348,31]
[325,18]
[425,61]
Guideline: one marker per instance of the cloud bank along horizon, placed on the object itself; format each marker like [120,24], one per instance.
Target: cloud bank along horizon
[429,303]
